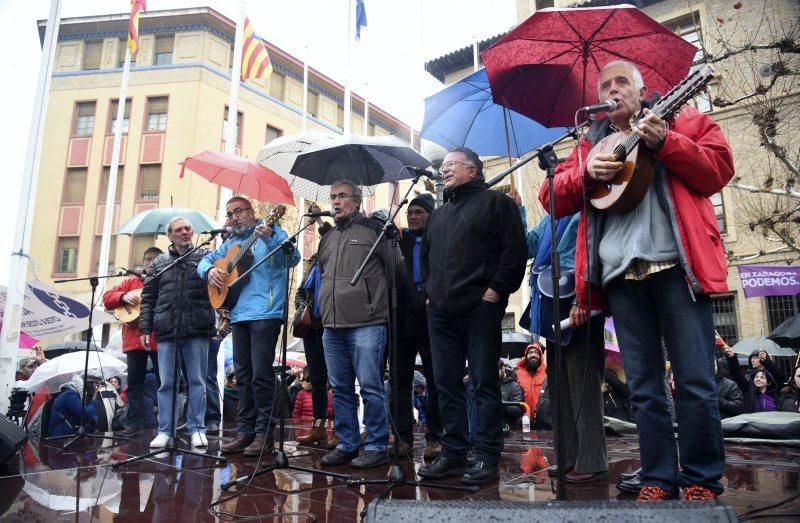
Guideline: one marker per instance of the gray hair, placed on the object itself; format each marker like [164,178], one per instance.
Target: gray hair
[356,188]
[177,218]
[636,75]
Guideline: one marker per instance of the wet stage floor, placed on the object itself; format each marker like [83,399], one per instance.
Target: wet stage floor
[46,483]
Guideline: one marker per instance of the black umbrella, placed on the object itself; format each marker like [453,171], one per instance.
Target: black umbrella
[787,334]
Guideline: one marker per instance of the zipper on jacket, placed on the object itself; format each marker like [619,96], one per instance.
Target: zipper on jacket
[369,294]
[335,274]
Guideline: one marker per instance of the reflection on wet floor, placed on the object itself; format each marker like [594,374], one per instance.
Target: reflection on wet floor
[46,482]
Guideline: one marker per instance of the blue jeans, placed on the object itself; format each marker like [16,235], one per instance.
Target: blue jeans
[473,335]
[644,311]
[213,412]
[253,357]
[194,354]
[350,354]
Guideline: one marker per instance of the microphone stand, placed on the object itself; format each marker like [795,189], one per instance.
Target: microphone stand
[280,461]
[82,434]
[172,444]
[396,478]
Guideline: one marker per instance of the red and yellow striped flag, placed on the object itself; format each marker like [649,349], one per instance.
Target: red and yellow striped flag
[137,7]
[255,59]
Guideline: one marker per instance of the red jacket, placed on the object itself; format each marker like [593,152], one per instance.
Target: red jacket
[130,333]
[699,163]
[303,407]
[531,384]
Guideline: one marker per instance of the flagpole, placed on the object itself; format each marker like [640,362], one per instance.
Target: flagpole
[349,37]
[233,105]
[18,270]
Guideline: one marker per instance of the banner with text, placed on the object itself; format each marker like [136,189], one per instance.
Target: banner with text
[769,280]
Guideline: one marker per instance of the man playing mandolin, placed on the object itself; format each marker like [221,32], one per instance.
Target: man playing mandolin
[657,265]
[256,318]
[128,295]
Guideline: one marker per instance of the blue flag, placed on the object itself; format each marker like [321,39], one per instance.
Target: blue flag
[361,17]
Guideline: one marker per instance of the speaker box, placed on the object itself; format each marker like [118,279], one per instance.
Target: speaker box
[12,438]
[462,511]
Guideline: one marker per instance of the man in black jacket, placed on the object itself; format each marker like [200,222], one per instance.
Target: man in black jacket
[729,395]
[473,257]
[176,309]
[413,337]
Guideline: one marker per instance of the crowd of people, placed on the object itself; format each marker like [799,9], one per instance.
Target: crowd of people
[451,272]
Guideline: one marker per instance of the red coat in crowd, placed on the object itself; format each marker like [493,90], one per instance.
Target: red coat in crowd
[130,333]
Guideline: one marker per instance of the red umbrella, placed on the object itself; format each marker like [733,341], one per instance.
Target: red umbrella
[549,65]
[241,175]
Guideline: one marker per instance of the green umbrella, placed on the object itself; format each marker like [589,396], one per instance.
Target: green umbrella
[748,345]
[154,221]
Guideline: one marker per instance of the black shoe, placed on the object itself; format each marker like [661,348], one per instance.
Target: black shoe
[129,432]
[481,473]
[338,457]
[471,459]
[212,428]
[630,475]
[443,468]
[552,470]
[630,486]
[370,458]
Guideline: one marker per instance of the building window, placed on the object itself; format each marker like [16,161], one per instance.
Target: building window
[67,255]
[688,28]
[157,114]
[239,118]
[84,119]
[272,133]
[75,186]
[371,129]
[112,251]
[164,47]
[340,117]
[101,199]
[313,103]
[724,307]
[277,82]
[149,182]
[139,244]
[92,53]
[121,50]
[719,211]
[780,309]
[126,118]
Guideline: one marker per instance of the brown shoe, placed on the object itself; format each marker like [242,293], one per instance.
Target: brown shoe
[333,442]
[317,436]
[260,442]
[578,477]
[432,450]
[406,450]
[238,444]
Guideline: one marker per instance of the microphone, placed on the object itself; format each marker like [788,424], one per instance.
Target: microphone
[123,272]
[218,231]
[605,107]
[318,214]
[419,172]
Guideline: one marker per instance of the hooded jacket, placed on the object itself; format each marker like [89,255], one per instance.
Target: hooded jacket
[753,401]
[698,162]
[473,242]
[531,384]
[729,395]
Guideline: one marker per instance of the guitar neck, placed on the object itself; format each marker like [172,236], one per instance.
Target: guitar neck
[245,247]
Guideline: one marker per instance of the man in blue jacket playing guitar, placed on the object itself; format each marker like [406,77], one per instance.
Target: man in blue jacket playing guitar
[256,317]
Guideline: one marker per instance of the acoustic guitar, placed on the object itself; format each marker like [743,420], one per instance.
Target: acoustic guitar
[623,193]
[236,261]
[129,313]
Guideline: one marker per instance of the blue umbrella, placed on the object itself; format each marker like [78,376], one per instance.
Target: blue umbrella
[464,115]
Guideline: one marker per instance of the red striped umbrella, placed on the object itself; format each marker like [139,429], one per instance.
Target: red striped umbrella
[240,175]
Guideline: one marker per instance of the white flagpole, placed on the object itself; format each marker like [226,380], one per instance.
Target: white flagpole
[18,270]
[350,15]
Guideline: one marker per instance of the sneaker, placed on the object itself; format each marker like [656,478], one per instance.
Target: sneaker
[698,493]
[160,441]
[653,493]
[338,457]
[443,468]
[432,450]
[237,444]
[260,442]
[370,458]
[199,439]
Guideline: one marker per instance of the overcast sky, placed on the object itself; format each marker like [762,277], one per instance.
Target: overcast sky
[400,36]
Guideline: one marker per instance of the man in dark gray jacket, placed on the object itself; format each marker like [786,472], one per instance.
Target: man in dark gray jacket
[355,319]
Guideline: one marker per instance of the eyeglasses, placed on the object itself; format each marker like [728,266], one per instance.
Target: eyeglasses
[446,166]
[237,211]
[416,213]
[340,196]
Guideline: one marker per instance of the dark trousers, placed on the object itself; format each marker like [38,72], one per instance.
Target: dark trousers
[317,372]
[578,382]
[406,355]
[213,412]
[253,356]
[643,312]
[475,335]
[137,369]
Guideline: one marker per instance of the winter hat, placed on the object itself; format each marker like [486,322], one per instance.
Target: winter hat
[419,379]
[424,200]
[531,347]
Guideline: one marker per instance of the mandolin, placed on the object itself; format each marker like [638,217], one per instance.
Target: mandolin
[623,193]
[236,261]
[130,313]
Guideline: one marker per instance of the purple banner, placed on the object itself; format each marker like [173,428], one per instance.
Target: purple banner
[769,280]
